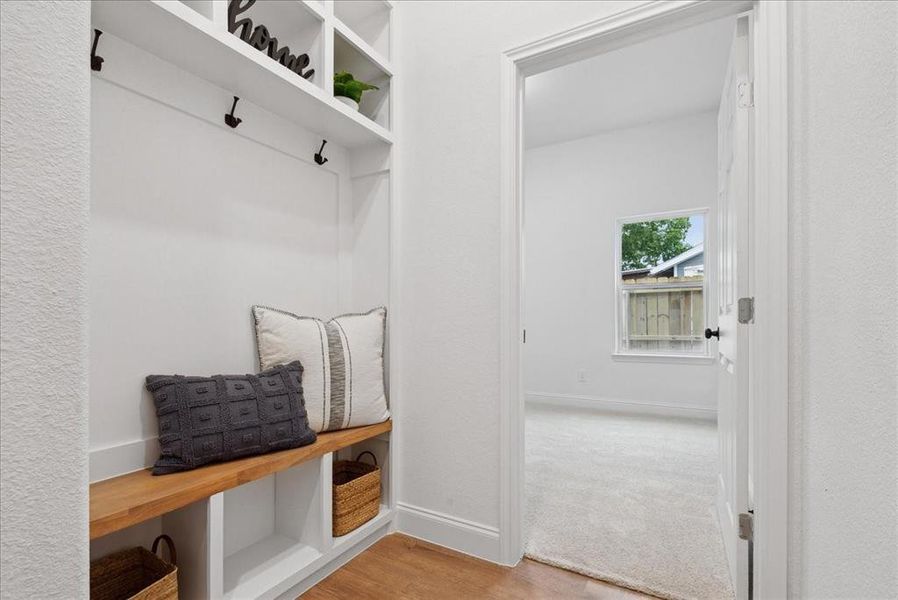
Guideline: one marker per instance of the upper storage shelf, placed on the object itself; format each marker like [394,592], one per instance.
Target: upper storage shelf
[369,19]
[193,35]
[351,54]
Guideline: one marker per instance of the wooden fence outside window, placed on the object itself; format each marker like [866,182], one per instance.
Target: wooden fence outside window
[663,315]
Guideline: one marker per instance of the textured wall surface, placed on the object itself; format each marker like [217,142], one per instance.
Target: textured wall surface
[449,269]
[843,356]
[843,340]
[44,151]
[574,193]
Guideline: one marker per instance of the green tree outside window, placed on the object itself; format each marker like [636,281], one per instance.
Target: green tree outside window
[646,244]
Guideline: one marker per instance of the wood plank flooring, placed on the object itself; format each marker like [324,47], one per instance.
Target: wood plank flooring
[403,568]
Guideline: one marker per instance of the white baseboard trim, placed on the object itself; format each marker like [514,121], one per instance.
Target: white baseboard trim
[451,532]
[112,461]
[620,406]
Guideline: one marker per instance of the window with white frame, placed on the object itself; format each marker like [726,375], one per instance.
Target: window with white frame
[660,284]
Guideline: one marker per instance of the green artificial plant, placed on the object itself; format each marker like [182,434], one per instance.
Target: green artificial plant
[346,85]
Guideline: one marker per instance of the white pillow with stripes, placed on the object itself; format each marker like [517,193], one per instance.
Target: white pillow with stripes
[342,359]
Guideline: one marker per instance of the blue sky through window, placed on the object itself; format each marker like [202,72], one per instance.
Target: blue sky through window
[696,231]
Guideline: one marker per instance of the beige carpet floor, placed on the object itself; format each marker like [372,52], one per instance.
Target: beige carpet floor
[627,499]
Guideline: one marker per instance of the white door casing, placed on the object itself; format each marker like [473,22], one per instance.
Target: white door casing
[734,210]
[769,376]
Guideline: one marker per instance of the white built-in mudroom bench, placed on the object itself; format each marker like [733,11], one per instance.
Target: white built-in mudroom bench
[200,508]
[223,178]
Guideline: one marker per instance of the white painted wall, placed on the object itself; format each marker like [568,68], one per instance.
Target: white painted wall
[370,242]
[44,200]
[844,333]
[573,194]
[448,112]
[842,366]
[192,223]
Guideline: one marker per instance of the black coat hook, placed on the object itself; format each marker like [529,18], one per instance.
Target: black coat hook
[318,158]
[230,119]
[96,62]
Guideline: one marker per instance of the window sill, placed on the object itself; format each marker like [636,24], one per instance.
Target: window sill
[688,359]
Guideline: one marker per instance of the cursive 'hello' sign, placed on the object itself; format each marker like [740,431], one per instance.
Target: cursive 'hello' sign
[260,39]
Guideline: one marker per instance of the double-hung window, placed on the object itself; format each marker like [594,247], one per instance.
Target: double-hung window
[661,285]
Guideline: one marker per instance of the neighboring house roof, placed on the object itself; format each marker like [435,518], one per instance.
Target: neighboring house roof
[634,273]
[679,258]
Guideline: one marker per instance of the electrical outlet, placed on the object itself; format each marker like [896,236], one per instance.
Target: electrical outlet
[581,376]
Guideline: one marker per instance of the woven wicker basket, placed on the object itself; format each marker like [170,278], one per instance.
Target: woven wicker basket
[135,574]
[356,493]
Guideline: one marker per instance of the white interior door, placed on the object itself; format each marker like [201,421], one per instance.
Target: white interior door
[734,197]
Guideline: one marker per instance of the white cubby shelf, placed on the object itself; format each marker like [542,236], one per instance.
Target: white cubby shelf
[193,35]
[353,55]
[251,528]
[273,527]
[370,20]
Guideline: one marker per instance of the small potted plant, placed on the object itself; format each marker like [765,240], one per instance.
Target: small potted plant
[348,90]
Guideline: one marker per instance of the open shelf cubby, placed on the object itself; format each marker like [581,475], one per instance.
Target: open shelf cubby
[352,56]
[205,8]
[272,529]
[296,26]
[369,19]
[380,447]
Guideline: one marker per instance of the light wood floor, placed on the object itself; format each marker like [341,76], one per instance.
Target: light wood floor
[403,568]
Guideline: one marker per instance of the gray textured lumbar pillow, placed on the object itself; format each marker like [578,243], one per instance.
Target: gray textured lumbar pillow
[343,359]
[211,419]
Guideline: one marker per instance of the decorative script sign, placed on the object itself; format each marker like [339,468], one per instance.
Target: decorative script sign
[259,38]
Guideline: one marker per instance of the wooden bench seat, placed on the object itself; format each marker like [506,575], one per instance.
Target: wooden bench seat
[129,499]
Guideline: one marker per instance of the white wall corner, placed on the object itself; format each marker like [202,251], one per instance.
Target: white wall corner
[475,539]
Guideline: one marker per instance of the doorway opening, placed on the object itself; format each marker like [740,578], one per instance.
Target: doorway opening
[600,331]
[620,281]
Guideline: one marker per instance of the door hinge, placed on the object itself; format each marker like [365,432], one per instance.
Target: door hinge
[525,336]
[747,526]
[746,91]
[747,310]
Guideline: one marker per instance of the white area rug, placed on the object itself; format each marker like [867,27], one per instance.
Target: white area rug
[626,499]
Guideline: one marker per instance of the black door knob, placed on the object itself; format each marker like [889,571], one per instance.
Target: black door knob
[715,333]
